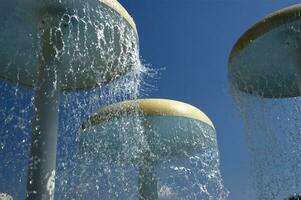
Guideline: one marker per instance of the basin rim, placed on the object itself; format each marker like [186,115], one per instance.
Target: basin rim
[149,107]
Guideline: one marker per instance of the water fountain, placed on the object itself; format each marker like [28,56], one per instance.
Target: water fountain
[265,76]
[54,47]
[149,149]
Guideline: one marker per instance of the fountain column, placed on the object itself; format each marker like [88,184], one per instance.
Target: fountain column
[41,171]
[147,180]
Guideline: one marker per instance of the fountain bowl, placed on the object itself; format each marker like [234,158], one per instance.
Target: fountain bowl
[266,59]
[96,41]
[170,128]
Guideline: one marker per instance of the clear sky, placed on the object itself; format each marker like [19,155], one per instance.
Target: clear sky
[192,39]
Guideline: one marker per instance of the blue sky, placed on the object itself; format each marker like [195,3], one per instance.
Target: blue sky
[192,39]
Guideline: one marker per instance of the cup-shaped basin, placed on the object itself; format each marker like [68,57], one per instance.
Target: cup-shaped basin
[156,127]
[266,60]
[97,41]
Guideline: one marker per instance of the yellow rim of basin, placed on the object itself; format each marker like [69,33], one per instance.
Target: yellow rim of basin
[276,19]
[115,5]
[150,107]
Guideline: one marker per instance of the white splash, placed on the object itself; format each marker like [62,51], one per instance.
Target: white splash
[4,196]
[51,185]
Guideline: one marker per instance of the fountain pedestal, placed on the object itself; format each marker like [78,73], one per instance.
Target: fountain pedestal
[147,180]
[41,174]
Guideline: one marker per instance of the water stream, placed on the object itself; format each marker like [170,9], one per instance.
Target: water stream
[272,129]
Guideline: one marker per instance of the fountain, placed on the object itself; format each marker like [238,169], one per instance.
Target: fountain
[265,76]
[149,149]
[54,47]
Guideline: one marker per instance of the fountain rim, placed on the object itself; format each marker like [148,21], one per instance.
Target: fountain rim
[268,23]
[149,107]
[115,5]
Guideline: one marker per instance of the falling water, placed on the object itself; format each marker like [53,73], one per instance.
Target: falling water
[273,138]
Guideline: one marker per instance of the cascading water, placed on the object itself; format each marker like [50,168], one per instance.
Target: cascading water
[75,109]
[274,143]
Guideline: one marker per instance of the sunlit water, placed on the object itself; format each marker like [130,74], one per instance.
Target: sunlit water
[93,37]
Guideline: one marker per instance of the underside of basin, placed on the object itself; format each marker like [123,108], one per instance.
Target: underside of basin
[266,60]
[98,41]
